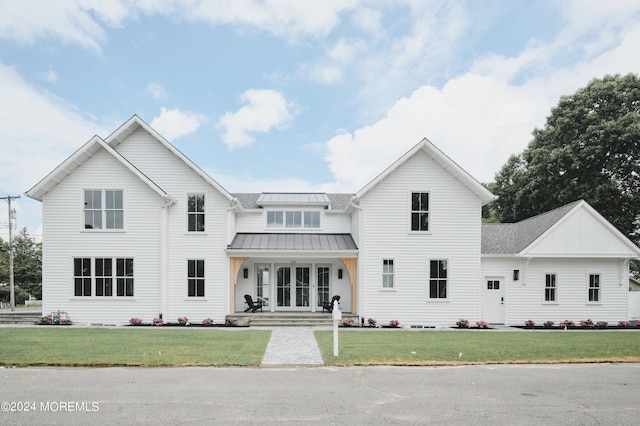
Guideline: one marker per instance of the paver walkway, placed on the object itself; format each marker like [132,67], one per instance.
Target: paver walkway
[292,346]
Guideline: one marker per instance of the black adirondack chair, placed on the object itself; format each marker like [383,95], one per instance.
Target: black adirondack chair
[328,306]
[253,306]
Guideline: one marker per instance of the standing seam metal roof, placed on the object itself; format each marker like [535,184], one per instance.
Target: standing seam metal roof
[280,241]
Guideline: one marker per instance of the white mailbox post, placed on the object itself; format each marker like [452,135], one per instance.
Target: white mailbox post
[336,314]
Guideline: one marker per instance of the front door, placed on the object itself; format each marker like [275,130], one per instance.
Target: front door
[293,287]
[494,300]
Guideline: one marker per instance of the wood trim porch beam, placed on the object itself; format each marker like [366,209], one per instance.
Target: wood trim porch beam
[352,269]
[235,263]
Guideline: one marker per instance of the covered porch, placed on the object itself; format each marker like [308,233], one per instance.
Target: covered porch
[293,273]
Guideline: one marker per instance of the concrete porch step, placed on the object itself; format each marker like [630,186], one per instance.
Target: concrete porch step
[289,319]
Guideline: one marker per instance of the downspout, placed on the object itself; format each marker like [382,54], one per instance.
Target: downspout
[164,255]
[359,266]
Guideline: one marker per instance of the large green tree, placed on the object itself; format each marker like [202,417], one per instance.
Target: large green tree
[27,264]
[588,149]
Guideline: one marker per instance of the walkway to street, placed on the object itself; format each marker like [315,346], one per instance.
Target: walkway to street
[292,346]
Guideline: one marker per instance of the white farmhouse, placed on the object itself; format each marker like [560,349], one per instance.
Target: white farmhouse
[133,228]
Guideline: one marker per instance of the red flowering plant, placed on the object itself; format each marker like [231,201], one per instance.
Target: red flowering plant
[183,321]
[135,321]
[482,324]
[158,322]
[462,323]
[394,323]
[372,322]
[207,322]
[347,322]
[231,322]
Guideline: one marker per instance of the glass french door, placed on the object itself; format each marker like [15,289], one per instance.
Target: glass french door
[293,286]
[262,284]
[322,284]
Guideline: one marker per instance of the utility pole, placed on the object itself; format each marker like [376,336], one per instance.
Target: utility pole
[12,297]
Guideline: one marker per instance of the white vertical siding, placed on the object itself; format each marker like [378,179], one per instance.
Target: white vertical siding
[525,298]
[64,239]
[455,215]
[173,175]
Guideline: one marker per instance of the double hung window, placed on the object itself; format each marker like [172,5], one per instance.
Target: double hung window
[103,209]
[438,279]
[195,213]
[420,211]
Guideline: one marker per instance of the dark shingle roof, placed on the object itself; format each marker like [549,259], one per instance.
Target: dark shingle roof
[282,241]
[512,238]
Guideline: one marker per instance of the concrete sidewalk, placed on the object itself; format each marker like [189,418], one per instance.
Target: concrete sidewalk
[292,346]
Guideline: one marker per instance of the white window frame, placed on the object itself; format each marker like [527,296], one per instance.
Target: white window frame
[103,210]
[282,219]
[197,278]
[438,278]
[391,274]
[412,211]
[555,288]
[598,288]
[196,213]
[114,278]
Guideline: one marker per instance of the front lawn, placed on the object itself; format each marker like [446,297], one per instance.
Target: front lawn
[131,346]
[399,347]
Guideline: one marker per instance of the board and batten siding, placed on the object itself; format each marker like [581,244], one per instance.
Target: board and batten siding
[454,216]
[64,238]
[524,299]
[179,180]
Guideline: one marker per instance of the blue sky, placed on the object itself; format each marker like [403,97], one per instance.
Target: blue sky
[287,95]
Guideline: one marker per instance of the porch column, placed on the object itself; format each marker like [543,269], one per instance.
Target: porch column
[234,267]
[352,268]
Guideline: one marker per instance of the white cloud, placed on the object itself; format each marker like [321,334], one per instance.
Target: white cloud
[173,123]
[156,91]
[37,132]
[266,110]
[487,114]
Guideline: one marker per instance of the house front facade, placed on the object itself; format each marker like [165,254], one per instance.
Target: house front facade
[133,228]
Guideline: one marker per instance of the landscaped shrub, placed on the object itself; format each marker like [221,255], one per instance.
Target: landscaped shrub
[623,324]
[567,324]
[347,322]
[372,322]
[548,324]
[529,323]
[207,322]
[482,324]
[158,322]
[183,321]
[230,322]
[394,323]
[462,323]
[602,324]
[47,320]
[135,321]
[586,323]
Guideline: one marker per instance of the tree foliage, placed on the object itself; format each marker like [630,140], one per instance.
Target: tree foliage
[588,149]
[27,264]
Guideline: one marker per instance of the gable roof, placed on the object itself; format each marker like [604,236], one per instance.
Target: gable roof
[512,238]
[78,158]
[135,123]
[443,161]
[520,238]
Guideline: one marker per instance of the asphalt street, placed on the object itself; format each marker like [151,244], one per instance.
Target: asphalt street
[584,394]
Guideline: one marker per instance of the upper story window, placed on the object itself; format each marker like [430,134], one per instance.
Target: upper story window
[195,213]
[419,211]
[293,219]
[103,209]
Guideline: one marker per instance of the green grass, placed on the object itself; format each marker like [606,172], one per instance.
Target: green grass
[131,346]
[396,347]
